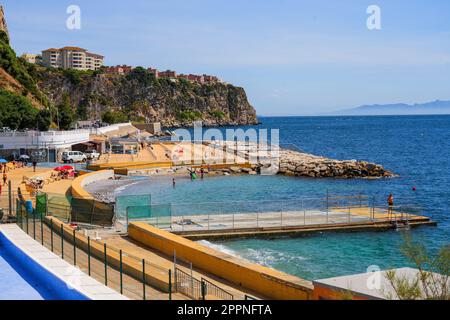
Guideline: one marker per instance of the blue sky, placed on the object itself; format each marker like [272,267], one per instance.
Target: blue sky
[293,57]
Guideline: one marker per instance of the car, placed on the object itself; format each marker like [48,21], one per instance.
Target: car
[73,156]
[92,155]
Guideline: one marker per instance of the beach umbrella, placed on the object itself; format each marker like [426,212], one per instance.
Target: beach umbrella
[3,161]
[63,168]
[24,156]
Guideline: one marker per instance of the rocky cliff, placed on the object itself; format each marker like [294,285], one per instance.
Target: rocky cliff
[139,96]
[3,25]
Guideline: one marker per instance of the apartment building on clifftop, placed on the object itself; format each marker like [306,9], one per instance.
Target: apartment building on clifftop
[72,58]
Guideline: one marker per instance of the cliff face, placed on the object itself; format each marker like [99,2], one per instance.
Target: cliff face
[3,25]
[138,96]
[141,97]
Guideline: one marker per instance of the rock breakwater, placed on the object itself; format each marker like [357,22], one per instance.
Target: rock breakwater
[307,165]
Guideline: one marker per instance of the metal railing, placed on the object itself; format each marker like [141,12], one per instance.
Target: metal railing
[188,285]
[234,215]
[134,277]
[213,290]
[76,210]
[196,289]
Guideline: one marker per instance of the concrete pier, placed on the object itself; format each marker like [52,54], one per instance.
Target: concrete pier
[294,223]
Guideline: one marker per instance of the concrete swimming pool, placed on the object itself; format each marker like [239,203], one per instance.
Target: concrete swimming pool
[28,271]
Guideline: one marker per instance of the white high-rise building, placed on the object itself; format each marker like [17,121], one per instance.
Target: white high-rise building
[71,58]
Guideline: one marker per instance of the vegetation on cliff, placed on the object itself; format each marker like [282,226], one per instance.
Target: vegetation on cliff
[140,97]
[19,92]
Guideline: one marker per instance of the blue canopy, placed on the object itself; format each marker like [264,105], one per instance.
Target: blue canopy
[3,161]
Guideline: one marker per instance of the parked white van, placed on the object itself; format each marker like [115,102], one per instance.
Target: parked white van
[73,156]
[92,155]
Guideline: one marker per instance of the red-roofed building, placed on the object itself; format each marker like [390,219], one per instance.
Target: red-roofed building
[168,74]
[124,69]
[154,71]
[71,58]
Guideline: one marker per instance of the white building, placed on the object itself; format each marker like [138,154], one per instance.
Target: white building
[32,58]
[71,58]
[44,145]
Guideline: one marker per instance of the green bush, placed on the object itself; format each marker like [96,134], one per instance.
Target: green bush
[112,117]
[17,113]
[189,115]
[142,76]
[19,69]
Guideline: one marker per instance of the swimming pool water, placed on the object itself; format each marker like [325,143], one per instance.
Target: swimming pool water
[17,283]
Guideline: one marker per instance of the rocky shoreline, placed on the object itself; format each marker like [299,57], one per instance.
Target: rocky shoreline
[293,163]
[105,190]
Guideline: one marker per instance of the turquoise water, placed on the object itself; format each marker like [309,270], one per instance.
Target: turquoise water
[415,147]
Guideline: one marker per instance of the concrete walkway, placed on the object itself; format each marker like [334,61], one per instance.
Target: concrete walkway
[72,276]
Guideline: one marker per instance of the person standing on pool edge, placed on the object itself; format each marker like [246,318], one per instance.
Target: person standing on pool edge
[390,201]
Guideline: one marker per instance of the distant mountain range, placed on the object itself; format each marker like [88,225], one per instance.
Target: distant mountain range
[434,107]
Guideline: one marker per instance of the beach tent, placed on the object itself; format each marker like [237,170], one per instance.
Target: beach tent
[3,161]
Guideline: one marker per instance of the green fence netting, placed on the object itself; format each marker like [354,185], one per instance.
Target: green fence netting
[70,209]
[157,215]
[41,203]
[125,201]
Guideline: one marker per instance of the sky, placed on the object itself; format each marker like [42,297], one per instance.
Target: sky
[292,57]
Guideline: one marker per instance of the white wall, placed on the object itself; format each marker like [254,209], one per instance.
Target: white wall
[47,139]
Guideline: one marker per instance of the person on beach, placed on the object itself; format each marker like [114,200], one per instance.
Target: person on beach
[390,201]
[173,183]
[34,165]
[5,178]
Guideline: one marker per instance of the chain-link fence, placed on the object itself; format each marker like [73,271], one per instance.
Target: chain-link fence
[235,215]
[75,210]
[134,277]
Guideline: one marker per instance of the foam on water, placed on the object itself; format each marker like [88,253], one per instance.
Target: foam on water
[219,247]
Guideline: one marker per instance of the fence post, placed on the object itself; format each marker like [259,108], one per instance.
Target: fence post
[143,279]
[10,199]
[19,212]
[106,264]
[203,287]
[89,255]
[74,248]
[34,224]
[26,212]
[62,241]
[170,284]
[120,270]
[51,233]
[42,231]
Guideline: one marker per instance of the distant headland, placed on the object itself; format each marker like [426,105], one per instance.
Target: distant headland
[433,107]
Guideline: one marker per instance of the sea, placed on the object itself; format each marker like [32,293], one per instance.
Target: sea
[417,148]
